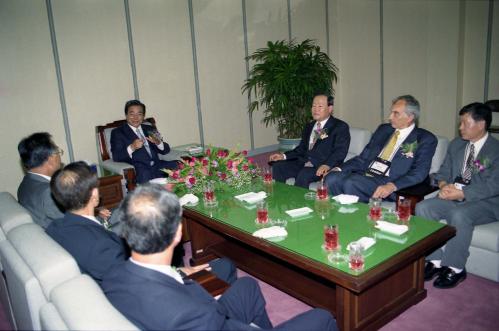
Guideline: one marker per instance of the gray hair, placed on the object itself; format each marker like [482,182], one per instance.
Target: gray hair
[412,106]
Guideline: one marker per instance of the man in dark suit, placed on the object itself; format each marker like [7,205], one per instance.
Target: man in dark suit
[139,144]
[398,155]
[324,145]
[469,193]
[94,248]
[41,158]
[153,296]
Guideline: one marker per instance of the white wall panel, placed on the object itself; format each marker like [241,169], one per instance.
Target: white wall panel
[308,21]
[163,56]
[29,99]
[266,21]
[355,50]
[494,56]
[220,50]
[95,65]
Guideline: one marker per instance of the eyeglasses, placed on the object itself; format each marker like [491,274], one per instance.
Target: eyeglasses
[59,151]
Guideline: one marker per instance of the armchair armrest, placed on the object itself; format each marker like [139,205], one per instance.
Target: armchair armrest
[171,156]
[124,169]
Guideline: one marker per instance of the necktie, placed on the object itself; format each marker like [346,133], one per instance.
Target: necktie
[146,143]
[387,152]
[468,170]
[316,135]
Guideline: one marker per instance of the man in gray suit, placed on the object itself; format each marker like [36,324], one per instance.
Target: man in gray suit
[40,157]
[469,193]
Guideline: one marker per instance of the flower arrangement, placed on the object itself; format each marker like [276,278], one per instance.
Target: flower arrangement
[226,168]
[481,164]
[408,149]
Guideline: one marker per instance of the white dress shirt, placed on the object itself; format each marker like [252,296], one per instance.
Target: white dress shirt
[164,269]
[478,147]
[129,149]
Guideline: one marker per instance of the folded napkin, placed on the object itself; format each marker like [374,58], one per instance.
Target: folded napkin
[366,242]
[346,199]
[251,197]
[271,232]
[347,210]
[160,181]
[195,149]
[392,228]
[299,212]
[188,199]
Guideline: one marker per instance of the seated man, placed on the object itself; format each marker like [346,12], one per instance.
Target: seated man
[94,248]
[398,155]
[153,296]
[469,193]
[324,145]
[136,143]
[41,157]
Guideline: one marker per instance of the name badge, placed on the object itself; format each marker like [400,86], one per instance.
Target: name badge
[378,167]
[460,182]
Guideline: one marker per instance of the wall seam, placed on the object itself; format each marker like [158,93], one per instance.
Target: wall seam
[289,20]
[327,26]
[488,51]
[131,50]
[381,62]
[196,73]
[246,53]
[60,83]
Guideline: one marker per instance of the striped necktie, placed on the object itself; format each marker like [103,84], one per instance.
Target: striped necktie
[146,143]
[468,170]
[316,135]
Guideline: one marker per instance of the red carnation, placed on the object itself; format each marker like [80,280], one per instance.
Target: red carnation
[251,160]
[223,176]
[229,164]
[181,166]
[208,152]
[245,152]
[205,162]
[245,167]
[192,180]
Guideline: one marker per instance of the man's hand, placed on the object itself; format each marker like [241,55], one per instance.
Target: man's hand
[137,143]
[323,170]
[383,191]
[190,270]
[450,192]
[276,157]
[104,213]
[153,140]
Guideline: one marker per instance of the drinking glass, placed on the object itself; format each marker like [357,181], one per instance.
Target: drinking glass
[331,237]
[322,191]
[209,193]
[375,209]
[356,256]
[267,176]
[262,212]
[404,210]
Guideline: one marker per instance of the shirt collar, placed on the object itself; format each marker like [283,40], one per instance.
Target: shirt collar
[92,218]
[323,123]
[164,269]
[134,129]
[405,131]
[479,143]
[37,174]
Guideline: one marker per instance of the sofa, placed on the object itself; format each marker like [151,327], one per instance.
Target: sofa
[46,290]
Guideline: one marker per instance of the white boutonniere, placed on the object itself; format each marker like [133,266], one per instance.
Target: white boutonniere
[408,149]
[321,134]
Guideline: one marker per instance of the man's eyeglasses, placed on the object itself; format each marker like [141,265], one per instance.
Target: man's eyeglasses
[59,151]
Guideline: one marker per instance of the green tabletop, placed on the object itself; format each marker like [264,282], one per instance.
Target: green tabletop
[305,235]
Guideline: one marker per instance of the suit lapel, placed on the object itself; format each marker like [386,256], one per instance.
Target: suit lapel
[327,128]
[486,149]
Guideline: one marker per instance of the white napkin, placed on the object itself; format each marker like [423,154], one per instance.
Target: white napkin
[392,228]
[188,198]
[271,232]
[299,212]
[160,181]
[366,242]
[195,149]
[346,199]
[347,210]
[251,197]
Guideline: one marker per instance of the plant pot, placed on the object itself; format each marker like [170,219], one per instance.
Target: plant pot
[287,144]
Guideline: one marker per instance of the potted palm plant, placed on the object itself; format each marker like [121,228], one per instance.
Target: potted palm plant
[283,80]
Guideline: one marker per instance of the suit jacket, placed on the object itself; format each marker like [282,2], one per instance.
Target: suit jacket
[94,248]
[123,136]
[34,195]
[404,171]
[484,184]
[154,301]
[330,151]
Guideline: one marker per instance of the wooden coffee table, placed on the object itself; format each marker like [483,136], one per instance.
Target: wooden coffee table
[391,282]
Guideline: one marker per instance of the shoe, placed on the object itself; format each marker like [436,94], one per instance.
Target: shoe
[448,278]
[431,271]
